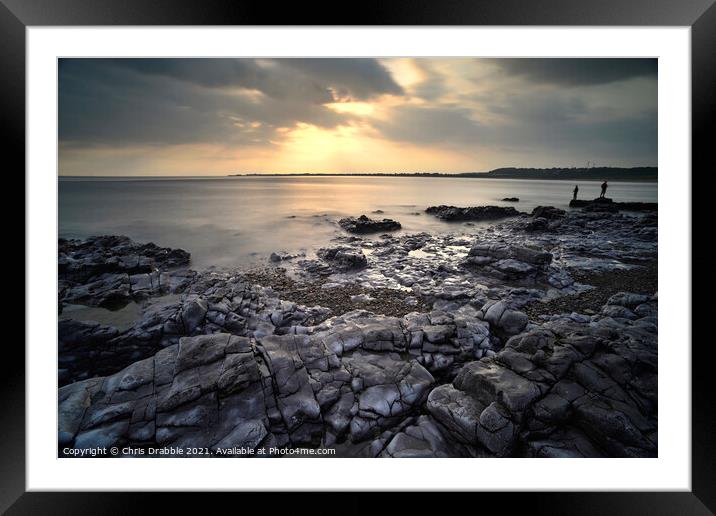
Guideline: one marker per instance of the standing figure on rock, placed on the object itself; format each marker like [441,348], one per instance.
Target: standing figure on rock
[604,190]
[576,191]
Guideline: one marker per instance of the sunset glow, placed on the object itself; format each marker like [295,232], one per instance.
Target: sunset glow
[220,116]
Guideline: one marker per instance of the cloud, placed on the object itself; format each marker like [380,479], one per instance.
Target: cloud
[313,80]
[555,127]
[433,85]
[578,71]
[358,79]
[232,101]
[430,125]
[475,113]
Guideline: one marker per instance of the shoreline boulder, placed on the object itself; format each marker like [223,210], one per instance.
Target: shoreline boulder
[475,213]
[364,224]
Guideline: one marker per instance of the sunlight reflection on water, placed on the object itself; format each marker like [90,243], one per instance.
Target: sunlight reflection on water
[238,220]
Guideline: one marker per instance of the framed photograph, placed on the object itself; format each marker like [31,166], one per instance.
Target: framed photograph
[445,248]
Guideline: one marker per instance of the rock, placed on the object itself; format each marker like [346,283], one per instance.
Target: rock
[554,390]
[420,439]
[85,350]
[364,224]
[388,389]
[80,260]
[601,207]
[607,204]
[511,199]
[344,258]
[537,224]
[567,442]
[627,299]
[471,421]
[282,257]
[508,261]
[512,267]
[489,381]
[618,312]
[478,213]
[193,313]
[513,322]
[227,362]
[203,392]
[532,256]
[548,212]
[108,290]
[111,271]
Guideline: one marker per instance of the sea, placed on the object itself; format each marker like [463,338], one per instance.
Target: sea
[231,222]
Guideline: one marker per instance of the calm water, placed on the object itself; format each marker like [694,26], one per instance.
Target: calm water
[233,221]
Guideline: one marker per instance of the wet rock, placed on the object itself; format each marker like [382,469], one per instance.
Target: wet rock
[489,381]
[106,291]
[343,258]
[471,421]
[572,394]
[193,313]
[566,442]
[388,389]
[265,371]
[512,322]
[508,261]
[202,392]
[476,213]
[537,224]
[548,212]
[84,350]
[281,257]
[363,224]
[608,205]
[571,387]
[111,271]
[628,300]
[421,437]
[80,260]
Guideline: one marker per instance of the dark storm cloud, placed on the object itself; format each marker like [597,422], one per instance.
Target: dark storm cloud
[547,109]
[313,80]
[155,101]
[578,72]
[360,79]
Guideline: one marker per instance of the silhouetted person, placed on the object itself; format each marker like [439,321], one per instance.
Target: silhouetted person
[576,191]
[604,190]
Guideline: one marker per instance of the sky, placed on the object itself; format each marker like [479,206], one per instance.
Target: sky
[174,117]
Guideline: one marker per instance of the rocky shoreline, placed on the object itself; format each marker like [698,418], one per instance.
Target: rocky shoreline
[534,336]
[607,204]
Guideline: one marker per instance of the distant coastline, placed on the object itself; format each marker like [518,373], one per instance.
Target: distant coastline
[645,174]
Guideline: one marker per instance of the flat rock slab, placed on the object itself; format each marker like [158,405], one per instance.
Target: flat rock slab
[607,204]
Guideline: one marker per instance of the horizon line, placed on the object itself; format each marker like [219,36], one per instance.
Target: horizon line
[430,173]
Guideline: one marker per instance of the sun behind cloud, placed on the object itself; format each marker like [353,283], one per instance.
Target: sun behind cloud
[227,116]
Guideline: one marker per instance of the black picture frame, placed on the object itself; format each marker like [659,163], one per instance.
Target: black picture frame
[700,15]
